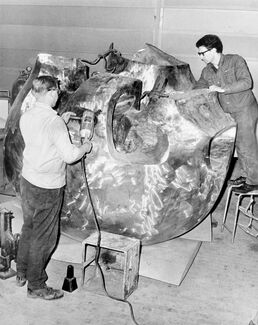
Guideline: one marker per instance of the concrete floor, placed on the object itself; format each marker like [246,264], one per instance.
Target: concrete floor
[220,289]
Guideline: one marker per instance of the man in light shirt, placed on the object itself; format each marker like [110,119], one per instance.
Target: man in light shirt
[47,151]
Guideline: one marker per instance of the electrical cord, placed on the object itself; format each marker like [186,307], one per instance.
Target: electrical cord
[97,254]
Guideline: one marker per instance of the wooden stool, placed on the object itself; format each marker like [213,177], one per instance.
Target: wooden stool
[246,210]
[125,248]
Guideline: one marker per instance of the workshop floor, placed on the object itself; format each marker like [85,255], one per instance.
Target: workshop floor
[221,288]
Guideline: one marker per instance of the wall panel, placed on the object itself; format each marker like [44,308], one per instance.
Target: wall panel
[78,16]
[63,39]
[184,44]
[184,22]
[85,3]
[213,4]
[85,28]
[71,28]
[202,20]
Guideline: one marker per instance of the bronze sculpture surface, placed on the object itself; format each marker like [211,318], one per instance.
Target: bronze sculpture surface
[161,150]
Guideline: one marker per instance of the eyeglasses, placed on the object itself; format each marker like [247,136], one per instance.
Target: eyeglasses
[202,53]
[55,89]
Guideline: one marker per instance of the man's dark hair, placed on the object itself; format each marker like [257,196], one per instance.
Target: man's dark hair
[44,83]
[210,42]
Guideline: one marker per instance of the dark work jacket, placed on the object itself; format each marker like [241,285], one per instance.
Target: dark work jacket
[232,75]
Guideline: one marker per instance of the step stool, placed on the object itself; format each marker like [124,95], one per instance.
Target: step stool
[125,257]
[247,211]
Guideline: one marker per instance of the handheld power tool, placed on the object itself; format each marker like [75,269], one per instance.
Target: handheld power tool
[86,123]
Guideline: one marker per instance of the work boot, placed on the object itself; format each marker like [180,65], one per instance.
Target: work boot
[46,293]
[20,280]
[238,181]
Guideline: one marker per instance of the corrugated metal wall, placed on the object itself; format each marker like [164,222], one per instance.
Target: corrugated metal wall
[85,28]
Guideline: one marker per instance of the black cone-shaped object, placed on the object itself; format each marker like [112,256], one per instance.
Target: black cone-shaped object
[70,283]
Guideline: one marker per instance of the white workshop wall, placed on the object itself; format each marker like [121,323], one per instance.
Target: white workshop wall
[235,21]
[85,28]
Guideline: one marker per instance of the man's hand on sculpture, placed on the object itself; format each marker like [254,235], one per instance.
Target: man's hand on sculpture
[66,116]
[216,88]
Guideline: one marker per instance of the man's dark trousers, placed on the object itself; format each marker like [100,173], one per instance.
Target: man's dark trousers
[246,142]
[41,209]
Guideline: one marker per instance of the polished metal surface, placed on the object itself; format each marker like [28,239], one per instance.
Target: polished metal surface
[158,163]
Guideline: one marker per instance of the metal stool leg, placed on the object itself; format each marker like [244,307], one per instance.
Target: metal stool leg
[250,208]
[226,208]
[250,229]
[236,217]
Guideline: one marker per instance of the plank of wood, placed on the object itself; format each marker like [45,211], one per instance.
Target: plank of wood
[203,232]
[169,261]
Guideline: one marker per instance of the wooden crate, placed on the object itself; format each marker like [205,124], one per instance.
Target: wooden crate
[119,260]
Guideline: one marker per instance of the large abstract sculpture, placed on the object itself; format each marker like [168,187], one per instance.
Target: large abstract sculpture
[161,150]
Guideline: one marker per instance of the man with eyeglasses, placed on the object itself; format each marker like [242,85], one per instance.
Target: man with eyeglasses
[229,76]
[47,151]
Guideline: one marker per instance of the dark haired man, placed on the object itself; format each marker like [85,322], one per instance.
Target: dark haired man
[229,76]
[47,151]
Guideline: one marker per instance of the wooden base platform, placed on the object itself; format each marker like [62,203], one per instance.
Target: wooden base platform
[167,262]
